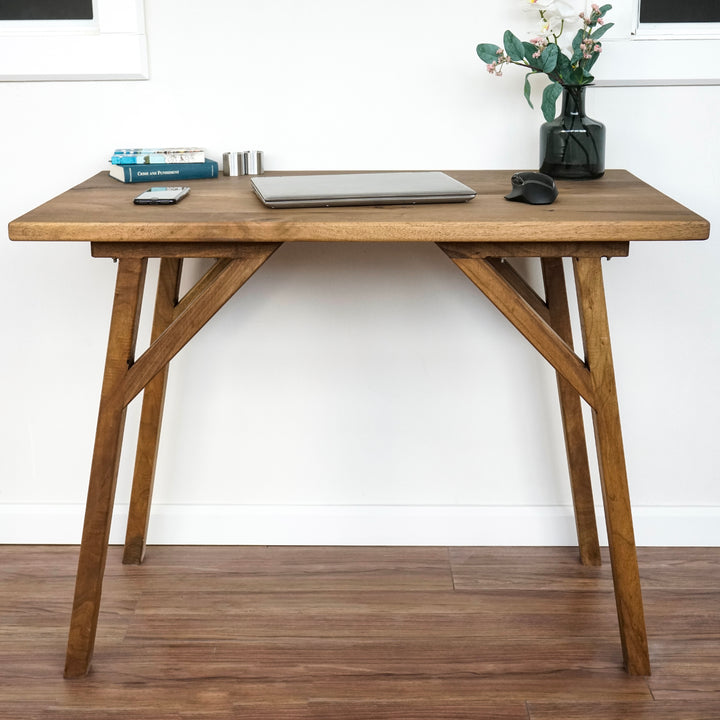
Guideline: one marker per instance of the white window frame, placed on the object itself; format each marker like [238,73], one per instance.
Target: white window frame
[636,54]
[112,46]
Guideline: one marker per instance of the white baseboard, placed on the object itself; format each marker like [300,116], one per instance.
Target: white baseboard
[359,525]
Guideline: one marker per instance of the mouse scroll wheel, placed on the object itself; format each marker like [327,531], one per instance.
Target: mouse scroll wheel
[517,180]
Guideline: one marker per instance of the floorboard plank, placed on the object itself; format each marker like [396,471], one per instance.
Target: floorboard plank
[655,710]
[210,633]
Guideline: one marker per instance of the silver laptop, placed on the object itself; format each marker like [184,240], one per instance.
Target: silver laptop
[385,188]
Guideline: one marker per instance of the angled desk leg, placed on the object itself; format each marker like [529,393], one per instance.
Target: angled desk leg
[106,457]
[594,381]
[175,323]
[151,418]
[572,419]
[125,377]
[611,459]
[553,310]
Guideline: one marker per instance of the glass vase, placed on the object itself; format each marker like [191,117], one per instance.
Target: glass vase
[572,145]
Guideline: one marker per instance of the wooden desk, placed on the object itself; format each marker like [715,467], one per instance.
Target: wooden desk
[222,219]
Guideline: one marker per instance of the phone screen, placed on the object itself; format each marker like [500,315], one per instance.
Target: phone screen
[161,195]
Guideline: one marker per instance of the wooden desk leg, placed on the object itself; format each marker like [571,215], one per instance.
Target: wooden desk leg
[611,459]
[572,419]
[151,419]
[104,469]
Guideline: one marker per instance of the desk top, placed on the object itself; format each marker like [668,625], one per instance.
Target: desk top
[616,207]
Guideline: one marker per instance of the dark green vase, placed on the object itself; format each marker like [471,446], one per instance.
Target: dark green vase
[573,145]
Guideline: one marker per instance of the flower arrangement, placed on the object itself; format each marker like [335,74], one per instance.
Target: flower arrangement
[567,66]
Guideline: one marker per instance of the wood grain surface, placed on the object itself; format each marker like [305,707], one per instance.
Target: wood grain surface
[616,207]
[217,633]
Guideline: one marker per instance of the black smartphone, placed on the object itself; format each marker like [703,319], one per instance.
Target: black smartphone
[161,196]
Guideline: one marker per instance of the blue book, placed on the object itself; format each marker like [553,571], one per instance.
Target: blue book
[164,171]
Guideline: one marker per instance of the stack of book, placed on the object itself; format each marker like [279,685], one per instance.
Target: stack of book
[151,164]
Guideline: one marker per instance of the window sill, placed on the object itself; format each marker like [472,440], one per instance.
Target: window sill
[113,47]
[638,61]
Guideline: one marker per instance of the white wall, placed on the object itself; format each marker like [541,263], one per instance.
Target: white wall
[356,394]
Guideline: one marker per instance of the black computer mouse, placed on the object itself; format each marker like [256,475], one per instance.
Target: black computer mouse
[532,187]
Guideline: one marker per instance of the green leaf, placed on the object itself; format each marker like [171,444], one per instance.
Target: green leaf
[513,47]
[577,41]
[603,9]
[549,58]
[530,50]
[526,89]
[549,99]
[563,69]
[488,52]
[580,77]
[597,34]
[588,65]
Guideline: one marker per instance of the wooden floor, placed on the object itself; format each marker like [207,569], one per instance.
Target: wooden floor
[359,633]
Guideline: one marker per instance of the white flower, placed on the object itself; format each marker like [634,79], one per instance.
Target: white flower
[556,17]
[555,9]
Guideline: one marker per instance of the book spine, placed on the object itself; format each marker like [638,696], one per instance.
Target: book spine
[148,157]
[168,171]
[157,158]
[144,151]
